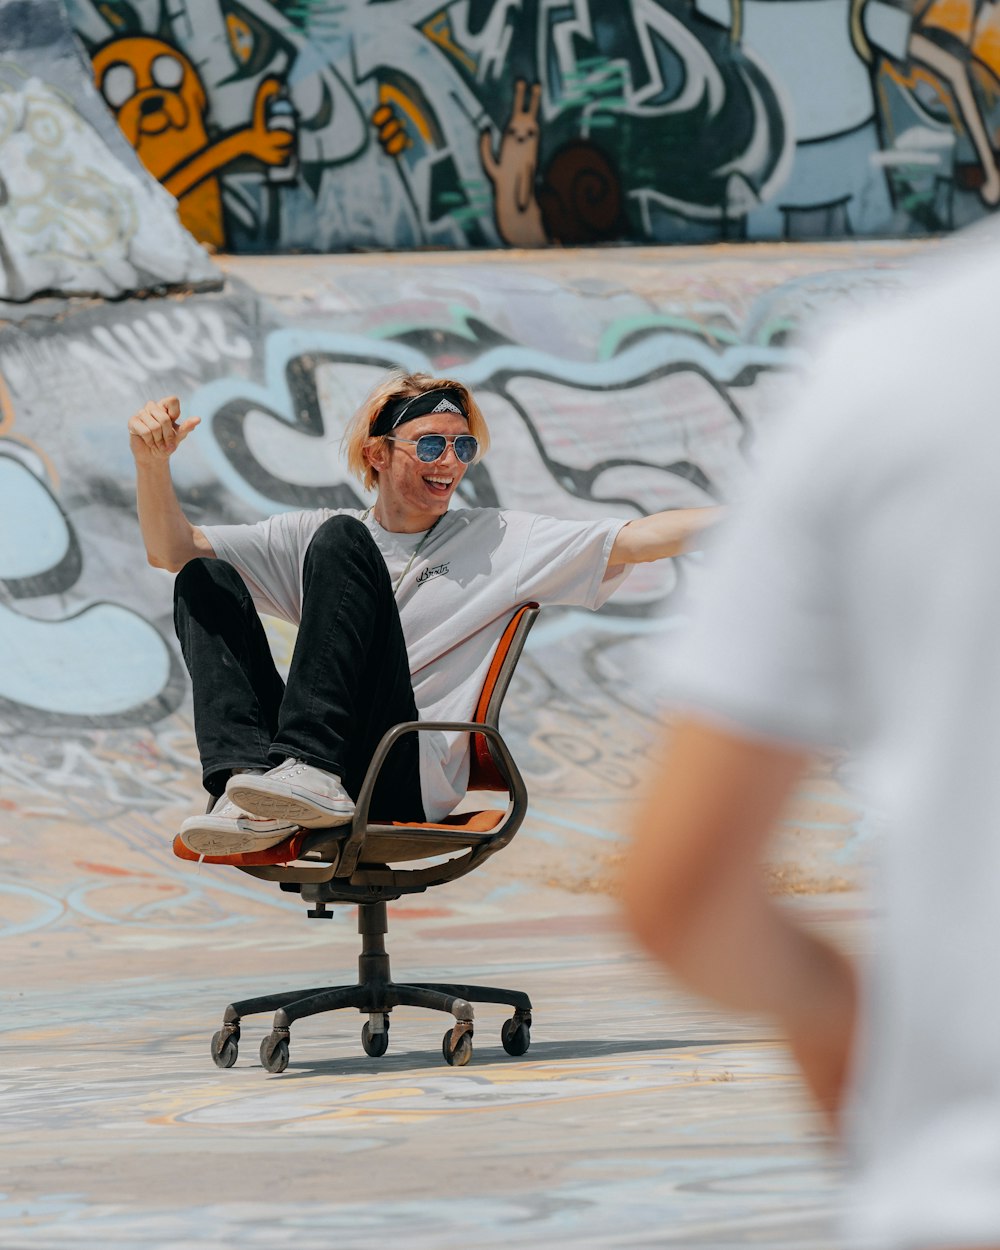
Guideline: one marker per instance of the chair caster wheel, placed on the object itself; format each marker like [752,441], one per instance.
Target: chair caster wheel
[274,1052]
[225,1047]
[515,1035]
[460,1055]
[375,1044]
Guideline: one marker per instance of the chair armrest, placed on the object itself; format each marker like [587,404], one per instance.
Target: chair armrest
[351,852]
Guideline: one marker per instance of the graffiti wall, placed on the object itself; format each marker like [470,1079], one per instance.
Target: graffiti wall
[601,401]
[338,124]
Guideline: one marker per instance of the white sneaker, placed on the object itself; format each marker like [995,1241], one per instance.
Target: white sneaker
[293,791]
[226,830]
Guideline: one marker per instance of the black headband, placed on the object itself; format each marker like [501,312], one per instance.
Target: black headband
[407,408]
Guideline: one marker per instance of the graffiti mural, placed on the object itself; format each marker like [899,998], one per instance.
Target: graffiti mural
[853,172]
[480,123]
[160,102]
[99,664]
[939,113]
[660,413]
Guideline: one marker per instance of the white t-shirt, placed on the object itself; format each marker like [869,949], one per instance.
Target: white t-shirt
[454,600]
[857,600]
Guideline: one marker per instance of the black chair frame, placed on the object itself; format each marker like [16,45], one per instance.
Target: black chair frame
[351,864]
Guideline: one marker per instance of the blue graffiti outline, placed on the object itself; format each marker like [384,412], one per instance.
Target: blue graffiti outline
[55,909]
[635,363]
[70,695]
[274,394]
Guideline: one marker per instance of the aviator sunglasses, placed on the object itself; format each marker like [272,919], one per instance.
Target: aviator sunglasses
[431,447]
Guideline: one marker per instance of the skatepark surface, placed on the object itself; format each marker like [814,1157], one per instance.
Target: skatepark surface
[615,382]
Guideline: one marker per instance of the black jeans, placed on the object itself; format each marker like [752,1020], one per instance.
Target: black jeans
[349,679]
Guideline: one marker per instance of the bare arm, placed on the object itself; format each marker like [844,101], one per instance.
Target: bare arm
[695,896]
[155,433]
[661,535]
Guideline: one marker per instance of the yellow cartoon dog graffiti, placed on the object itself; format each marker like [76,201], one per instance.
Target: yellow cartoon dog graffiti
[160,103]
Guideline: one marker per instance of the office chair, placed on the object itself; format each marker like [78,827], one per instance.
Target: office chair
[360,863]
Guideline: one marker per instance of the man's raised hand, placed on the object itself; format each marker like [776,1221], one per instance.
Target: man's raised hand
[156,431]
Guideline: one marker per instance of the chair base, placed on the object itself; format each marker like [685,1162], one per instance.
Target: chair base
[375,994]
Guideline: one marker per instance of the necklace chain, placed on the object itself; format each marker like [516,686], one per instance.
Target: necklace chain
[370,512]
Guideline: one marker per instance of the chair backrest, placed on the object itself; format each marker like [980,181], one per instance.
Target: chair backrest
[483,771]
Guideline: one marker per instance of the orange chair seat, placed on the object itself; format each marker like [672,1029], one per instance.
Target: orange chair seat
[291,847]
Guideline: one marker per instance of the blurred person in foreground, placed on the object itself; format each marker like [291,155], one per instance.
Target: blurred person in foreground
[855,603]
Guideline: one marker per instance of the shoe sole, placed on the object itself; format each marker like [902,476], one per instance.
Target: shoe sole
[212,842]
[270,806]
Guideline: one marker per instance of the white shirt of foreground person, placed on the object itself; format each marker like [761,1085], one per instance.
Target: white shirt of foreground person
[857,601]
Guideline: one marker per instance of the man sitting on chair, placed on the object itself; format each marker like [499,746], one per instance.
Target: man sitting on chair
[399,609]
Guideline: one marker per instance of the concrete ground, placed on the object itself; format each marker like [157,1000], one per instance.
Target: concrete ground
[639,1116]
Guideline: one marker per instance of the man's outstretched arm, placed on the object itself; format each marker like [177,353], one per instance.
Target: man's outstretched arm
[155,433]
[661,535]
[696,898]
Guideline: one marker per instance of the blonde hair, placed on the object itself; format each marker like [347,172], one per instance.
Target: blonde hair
[358,438]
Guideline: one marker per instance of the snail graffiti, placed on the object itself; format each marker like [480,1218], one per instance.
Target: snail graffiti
[337,125]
